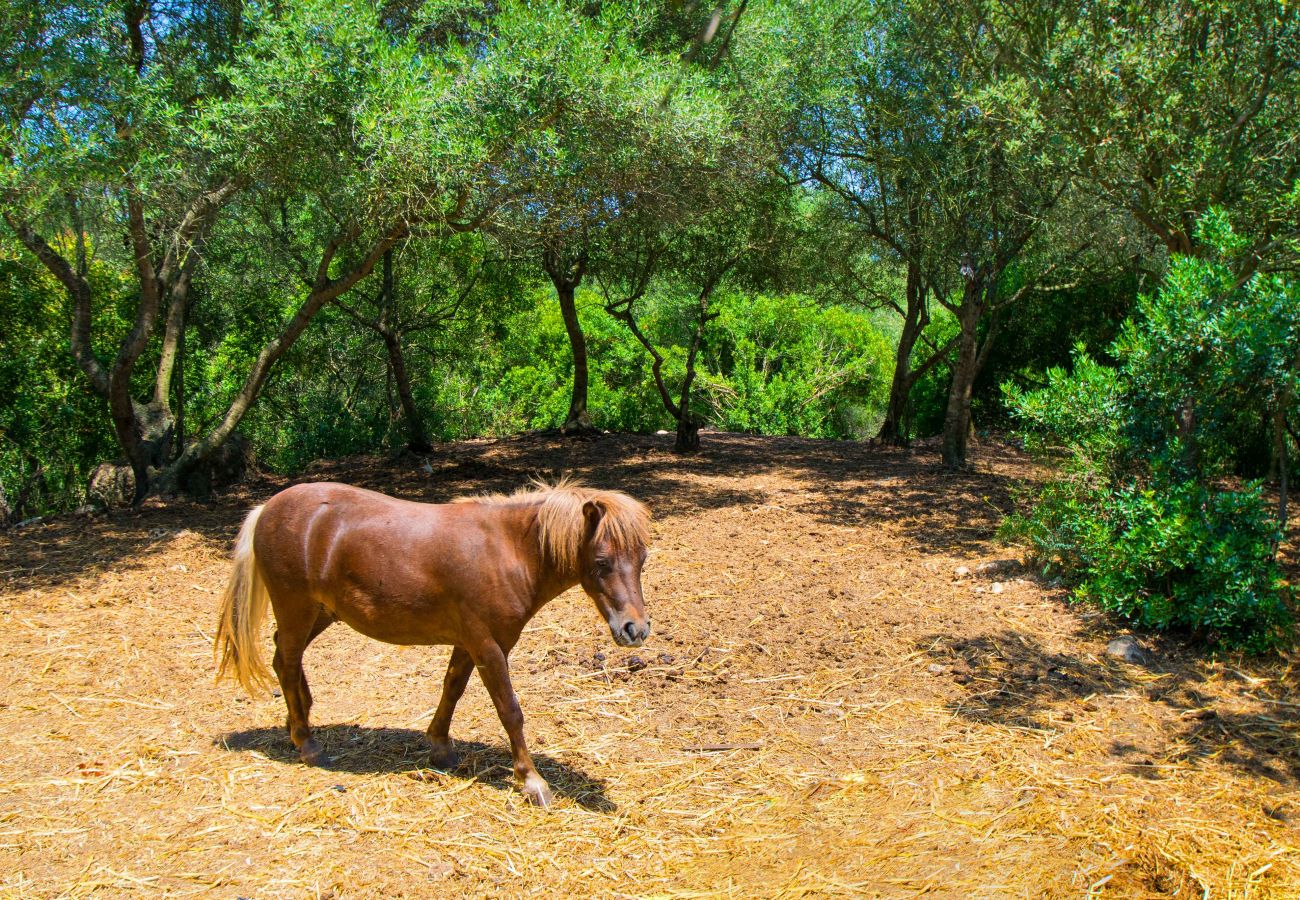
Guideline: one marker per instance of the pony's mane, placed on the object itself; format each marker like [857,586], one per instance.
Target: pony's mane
[625,523]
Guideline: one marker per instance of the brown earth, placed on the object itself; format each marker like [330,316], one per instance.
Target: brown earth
[896,728]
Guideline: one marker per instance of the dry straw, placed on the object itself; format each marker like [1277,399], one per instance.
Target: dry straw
[825,710]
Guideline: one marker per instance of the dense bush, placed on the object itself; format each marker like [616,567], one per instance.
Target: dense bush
[52,430]
[1148,517]
[770,365]
[782,365]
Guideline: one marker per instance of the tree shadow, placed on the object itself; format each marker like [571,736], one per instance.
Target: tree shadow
[371,751]
[832,482]
[1009,678]
[64,549]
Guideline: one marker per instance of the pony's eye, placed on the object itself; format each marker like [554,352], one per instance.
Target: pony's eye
[602,565]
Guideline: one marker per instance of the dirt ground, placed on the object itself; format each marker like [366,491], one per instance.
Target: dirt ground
[827,707]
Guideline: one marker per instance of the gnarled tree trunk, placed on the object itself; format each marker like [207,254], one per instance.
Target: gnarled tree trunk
[417,440]
[566,274]
[915,318]
[957,418]
[144,431]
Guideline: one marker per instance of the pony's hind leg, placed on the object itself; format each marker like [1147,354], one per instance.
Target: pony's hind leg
[459,668]
[291,640]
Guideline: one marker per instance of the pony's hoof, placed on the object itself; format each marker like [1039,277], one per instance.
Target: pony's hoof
[312,754]
[536,790]
[444,757]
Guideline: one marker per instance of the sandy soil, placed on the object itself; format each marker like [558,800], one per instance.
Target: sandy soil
[898,728]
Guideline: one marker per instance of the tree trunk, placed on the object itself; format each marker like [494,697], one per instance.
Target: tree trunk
[178,439]
[900,391]
[417,440]
[688,435]
[688,423]
[143,431]
[1283,468]
[577,420]
[957,419]
[566,274]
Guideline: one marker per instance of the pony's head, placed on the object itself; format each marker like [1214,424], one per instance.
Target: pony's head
[609,564]
[601,539]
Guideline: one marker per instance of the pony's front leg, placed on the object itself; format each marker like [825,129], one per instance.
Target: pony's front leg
[495,672]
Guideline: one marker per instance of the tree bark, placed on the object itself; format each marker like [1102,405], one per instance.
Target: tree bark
[417,440]
[323,291]
[957,418]
[1283,469]
[178,438]
[688,423]
[566,275]
[577,419]
[900,390]
[143,430]
[688,435]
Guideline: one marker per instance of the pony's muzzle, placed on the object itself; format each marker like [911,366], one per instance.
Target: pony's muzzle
[630,633]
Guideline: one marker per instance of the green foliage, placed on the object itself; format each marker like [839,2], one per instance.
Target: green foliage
[1043,333]
[52,431]
[782,365]
[1170,110]
[1078,409]
[1164,555]
[1145,518]
[771,365]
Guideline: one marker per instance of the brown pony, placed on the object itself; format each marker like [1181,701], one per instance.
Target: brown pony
[470,574]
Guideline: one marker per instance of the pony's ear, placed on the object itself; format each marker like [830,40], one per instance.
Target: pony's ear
[592,513]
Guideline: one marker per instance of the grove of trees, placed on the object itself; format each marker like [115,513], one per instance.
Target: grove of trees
[311,229]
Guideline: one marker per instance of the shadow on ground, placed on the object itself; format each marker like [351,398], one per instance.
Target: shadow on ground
[1011,679]
[374,751]
[835,483]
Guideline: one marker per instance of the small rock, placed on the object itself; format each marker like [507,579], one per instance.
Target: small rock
[961,571]
[997,587]
[1128,649]
[661,431]
[180,567]
[936,669]
[635,664]
[599,658]
[998,567]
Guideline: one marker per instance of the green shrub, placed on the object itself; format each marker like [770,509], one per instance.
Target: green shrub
[784,365]
[53,430]
[1147,516]
[1173,556]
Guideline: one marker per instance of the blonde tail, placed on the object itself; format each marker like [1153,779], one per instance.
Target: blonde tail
[243,607]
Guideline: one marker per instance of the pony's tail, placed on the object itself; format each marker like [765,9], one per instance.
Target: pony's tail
[243,607]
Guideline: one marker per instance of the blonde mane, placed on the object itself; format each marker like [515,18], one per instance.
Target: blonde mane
[625,523]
